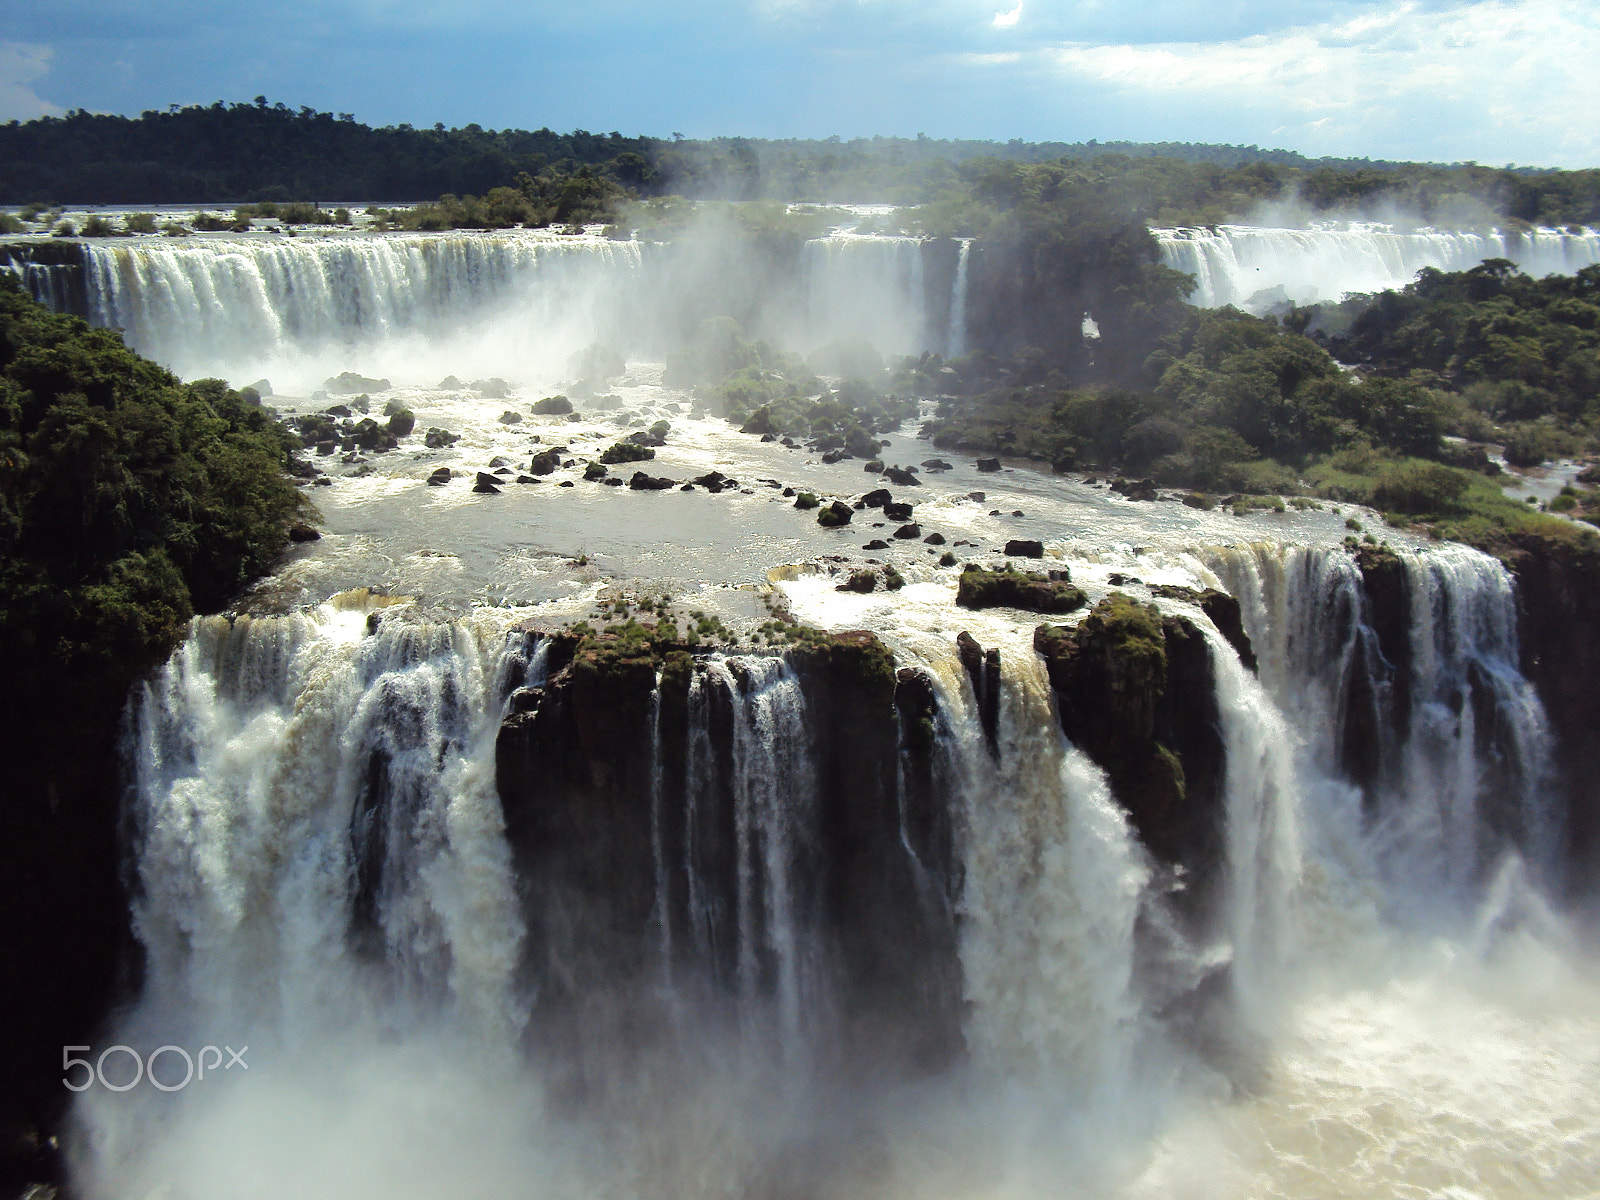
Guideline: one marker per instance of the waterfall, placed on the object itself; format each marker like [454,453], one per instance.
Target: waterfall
[1053,884]
[867,286]
[314,795]
[774,799]
[956,343]
[202,305]
[1453,753]
[1255,268]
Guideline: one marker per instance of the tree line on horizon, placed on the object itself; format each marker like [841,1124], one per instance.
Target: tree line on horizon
[262,152]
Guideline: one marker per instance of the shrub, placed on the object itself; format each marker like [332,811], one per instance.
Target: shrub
[139,223]
[1418,488]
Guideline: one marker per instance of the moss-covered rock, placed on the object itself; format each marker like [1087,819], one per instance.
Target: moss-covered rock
[1033,591]
[626,452]
[1223,612]
[834,515]
[1137,693]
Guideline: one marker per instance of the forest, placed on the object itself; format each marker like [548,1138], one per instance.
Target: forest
[259,151]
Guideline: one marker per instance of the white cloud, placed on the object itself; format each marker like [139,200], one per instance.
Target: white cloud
[1492,79]
[21,65]
[1008,20]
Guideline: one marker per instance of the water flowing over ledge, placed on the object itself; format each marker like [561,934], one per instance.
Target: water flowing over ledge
[554,886]
[1255,268]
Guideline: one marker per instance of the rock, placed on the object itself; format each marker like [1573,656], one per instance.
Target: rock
[834,515]
[552,406]
[688,487]
[788,491]
[982,588]
[935,464]
[526,479]
[877,498]
[873,466]
[934,539]
[980,497]
[1221,609]
[907,532]
[438,439]
[1136,693]
[988,465]
[511,417]
[876,544]
[449,384]
[1135,489]
[897,511]
[369,435]
[595,471]
[612,481]
[1024,548]
[339,410]
[806,500]
[834,456]
[983,669]
[569,483]
[326,448]
[901,477]
[504,471]
[348,383]
[486,485]
[860,581]
[499,460]
[769,437]
[301,532]
[715,481]
[626,452]
[645,483]
[546,462]
[492,389]
[260,387]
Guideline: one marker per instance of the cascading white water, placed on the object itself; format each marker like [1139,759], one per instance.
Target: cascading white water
[774,802]
[261,304]
[870,287]
[299,777]
[1441,818]
[956,343]
[1254,267]
[1053,884]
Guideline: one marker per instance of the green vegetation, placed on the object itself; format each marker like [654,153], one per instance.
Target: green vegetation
[1009,588]
[271,152]
[128,501]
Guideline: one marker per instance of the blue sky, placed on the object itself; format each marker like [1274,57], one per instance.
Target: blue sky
[1495,81]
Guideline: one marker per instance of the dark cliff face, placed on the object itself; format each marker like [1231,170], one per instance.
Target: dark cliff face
[1558,594]
[1137,693]
[70,953]
[611,837]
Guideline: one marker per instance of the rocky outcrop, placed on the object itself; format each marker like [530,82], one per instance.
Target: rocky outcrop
[1558,594]
[594,816]
[1221,609]
[1031,590]
[1137,694]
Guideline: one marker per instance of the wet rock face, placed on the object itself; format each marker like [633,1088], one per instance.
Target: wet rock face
[1136,692]
[591,814]
[1558,583]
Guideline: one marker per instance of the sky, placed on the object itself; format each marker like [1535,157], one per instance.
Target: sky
[1492,81]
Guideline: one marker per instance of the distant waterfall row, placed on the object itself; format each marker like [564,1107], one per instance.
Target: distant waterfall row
[1255,268]
[515,303]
